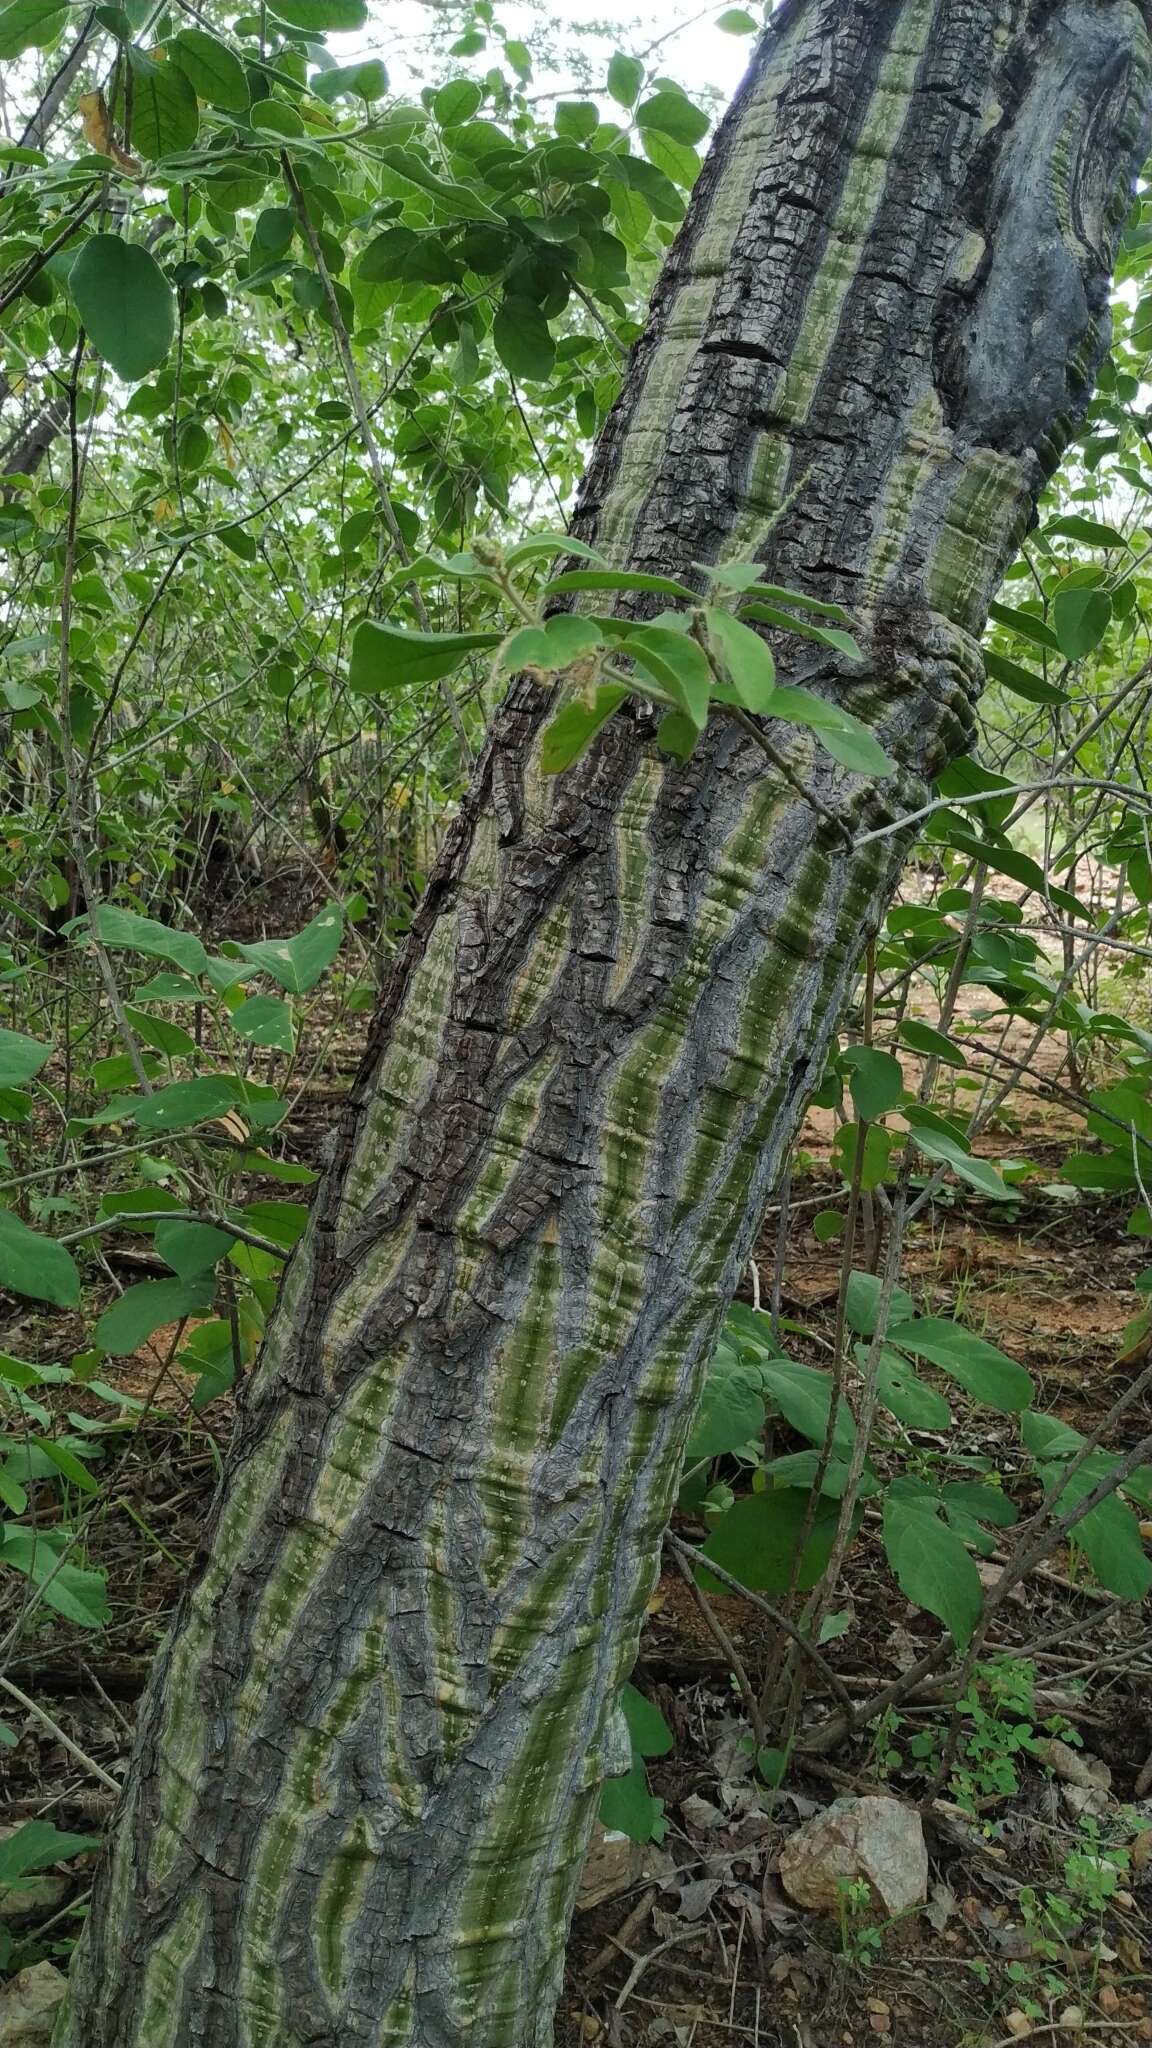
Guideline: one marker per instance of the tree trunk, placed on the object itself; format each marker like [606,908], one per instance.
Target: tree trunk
[372,1750]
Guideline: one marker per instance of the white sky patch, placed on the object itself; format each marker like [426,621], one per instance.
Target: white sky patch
[682,44]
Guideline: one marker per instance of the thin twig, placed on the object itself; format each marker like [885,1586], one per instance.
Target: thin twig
[30,1707]
[699,1562]
[723,1642]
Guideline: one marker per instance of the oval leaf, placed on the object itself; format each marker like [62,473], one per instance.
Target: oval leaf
[149,1306]
[126,304]
[35,1265]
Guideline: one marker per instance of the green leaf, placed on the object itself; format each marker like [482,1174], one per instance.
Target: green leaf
[1022,681]
[290,1172]
[366,81]
[555,645]
[318,17]
[1105,1171]
[191,1248]
[875,1081]
[676,736]
[1094,534]
[213,71]
[619,579]
[679,665]
[126,304]
[846,738]
[628,1808]
[297,964]
[1026,624]
[388,657]
[745,658]
[827,1226]
[828,636]
[67,1464]
[36,1266]
[904,1394]
[575,727]
[984,1371]
[80,1596]
[165,117]
[170,1039]
[454,202]
[169,988]
[457,101]
[879,1145]
[803,1393]
[147,1307]
[1081,617]
[932,1567]
[209,1349]
[388,254]
[736,21]
[651,1735]
[758,1540]
[983,1503]
[965,778]
[731,1411]
[1005,860]
[265,1021]
[176,1107]
[127,1203]
[37,1845]
[949,1151]
[745,576]
[800,1469]
[21,1058]
[29,25]
[123,928]
[923,1038]
[577,120]
[1110,1539]
[523,340]
[625,77]
[673,114]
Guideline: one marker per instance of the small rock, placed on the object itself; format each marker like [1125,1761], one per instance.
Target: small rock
[28,2007]
[1076,1767]
[34,1898]
[700,1813]
[1108,1999]
[1018,2024]
[875,1837]
[613,1863]
[940,1908]
[1081,1799]
[1072,2017]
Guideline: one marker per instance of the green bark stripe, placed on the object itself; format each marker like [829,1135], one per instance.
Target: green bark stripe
[690,311]
[407,1072]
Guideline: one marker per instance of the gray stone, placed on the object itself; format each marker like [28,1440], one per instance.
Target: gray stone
[28,2007]
[875,1838]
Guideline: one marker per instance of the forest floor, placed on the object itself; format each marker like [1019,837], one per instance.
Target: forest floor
[694,1942]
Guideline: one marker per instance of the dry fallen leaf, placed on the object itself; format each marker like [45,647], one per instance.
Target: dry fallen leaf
[96,122]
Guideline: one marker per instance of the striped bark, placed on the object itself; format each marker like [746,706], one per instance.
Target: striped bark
[372,1750]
